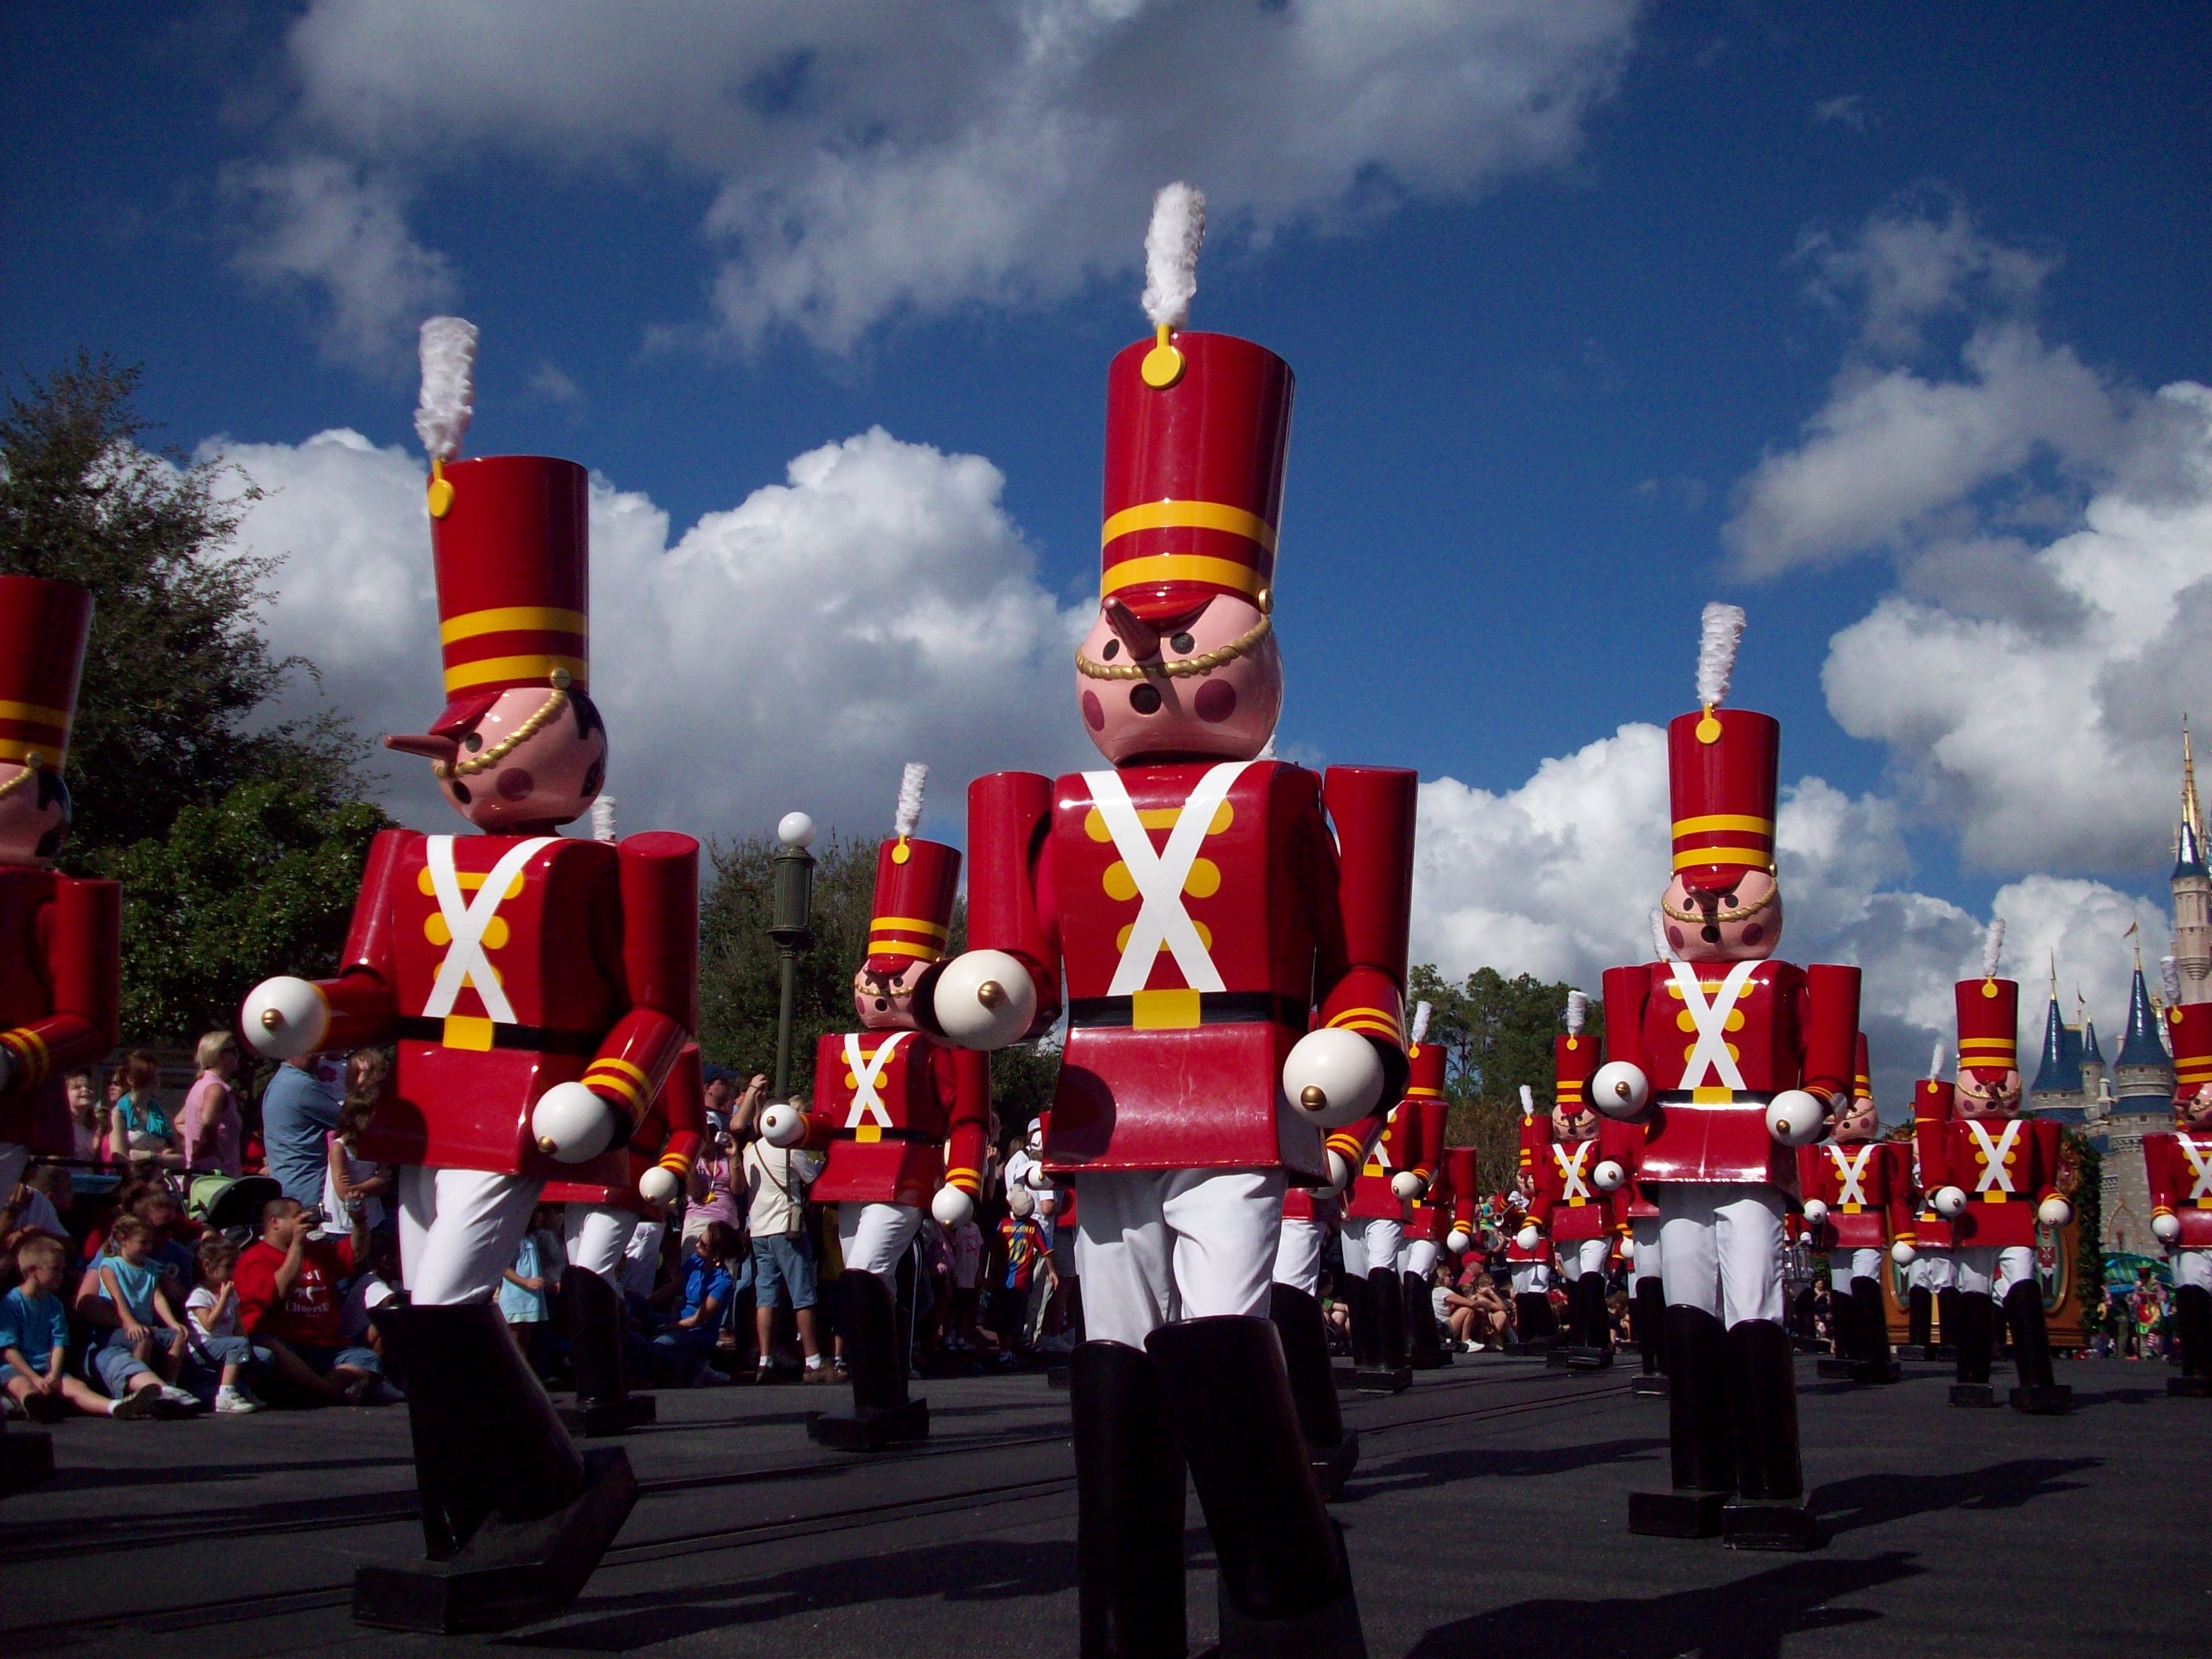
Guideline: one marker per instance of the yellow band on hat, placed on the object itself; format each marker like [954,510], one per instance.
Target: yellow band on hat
[1988,1045]
[513,619]
[525,670]
[1188,516]
[49,754]
[37,713]
[1180,567]
[893,947]
[1715,821]
[907,925]
[1751,858]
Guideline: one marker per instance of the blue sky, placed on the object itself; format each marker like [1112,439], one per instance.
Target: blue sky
[1535,389]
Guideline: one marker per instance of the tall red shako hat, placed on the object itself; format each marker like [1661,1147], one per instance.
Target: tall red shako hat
[915,882]
[1424,1079]
[1574,1058]
[511,541]
[1197,429]
[1722,770]
[1989,1015]
[2189,1029]
[44,626]
[1932,1097]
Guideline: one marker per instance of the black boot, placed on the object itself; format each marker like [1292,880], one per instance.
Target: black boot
[2039,1394]
[1919,1311]
[1871,1361]
[1700,1452]
[1947,1319]
[598,1356]
[1844,1329]
[1425,1349]
[1384,1370]
[2192,1329]
[1969,1325]
[1332,1450]
[1286,1584]
[1592,1347]
[882,1414]
[1769,1513]
[1647,1315]
[1532,1321]
[515,1518]
[1128,1506]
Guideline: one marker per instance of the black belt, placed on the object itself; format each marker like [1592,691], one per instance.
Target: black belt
[537,1039]
[883,1133]
[1214,1008]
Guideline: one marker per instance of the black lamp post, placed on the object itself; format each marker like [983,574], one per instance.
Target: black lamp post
[791,925]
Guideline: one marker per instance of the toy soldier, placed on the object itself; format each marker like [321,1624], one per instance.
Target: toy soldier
[59,975]
[889,1101]
[1573,1205]
[1430,1206]
[1931,1294]
[1377,1209]
[1858,1209]
[1235,983]
[1528,1252]
[1995,1179]
[2180,1167]
[538,988]
[1734,1057]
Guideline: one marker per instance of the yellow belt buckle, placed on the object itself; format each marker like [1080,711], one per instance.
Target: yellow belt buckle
[868,1133]
[2204,1203]
[1709,1096]
[1163,1010]
[469,1031]
[1993,1196]
[1853,1209]
[1577,1203]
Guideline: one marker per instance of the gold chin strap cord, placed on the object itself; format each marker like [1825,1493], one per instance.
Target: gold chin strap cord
[1743,914]
[555,701]
[1205,662]
[31,763]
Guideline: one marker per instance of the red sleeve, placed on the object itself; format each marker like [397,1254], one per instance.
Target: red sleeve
[362,1002]
[256,1278]
[659,875]
[1810,1160]
[1360,982]
[681,1107]
[1897,1200]
[1544,1168]
[1466,1184]
[968,1122]
[1626,991]
[1831,1025]
[82,941]
[2158,1171]
[1010,900]
[2051,1150]
[1429,1145]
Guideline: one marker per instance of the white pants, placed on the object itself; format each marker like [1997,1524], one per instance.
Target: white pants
[2191,1268]
[1931,1271]
[641,1255]
[1643,1236]
[1416,1256]
[1298,1255]
[459,1231]
[596,1234]
[1578,1257]
[1371,1242]
[1721,1250]
[1986,1270]
[1531,1278]
[1155,1246]
[873,1237]
[1866,1264]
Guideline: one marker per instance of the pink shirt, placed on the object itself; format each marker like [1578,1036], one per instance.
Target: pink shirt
[210,1125]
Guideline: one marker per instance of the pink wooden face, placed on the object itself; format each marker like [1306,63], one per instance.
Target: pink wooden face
[1228,711]
[887,1004]
[29,833]
[551,777]
[1858,1121]
[1742,925]
[1983,1094]
[1579,1125]
[2197,1110]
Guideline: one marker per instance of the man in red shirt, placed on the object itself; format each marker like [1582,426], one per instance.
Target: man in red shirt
[288,1301]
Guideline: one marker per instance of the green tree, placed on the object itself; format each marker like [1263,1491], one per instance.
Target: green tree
[1497,1034]
[177,667]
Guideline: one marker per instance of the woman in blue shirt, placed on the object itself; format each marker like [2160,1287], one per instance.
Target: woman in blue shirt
[706,1291]
[142,1133]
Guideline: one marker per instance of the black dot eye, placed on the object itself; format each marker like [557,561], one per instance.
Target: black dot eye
[1183,643]
[1113,650]
[1728,898]
[460,791]
[473,742]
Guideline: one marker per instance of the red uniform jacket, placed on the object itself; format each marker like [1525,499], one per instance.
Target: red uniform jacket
[2179,1166]
[1567,1203]
[669,1137]
[1432,1211]
[1352,1143]
[2007,1167]
[1931,1116]
[1201,914]
[591,952]
[886,1103]
[1398,1147]
[1624,1144]
[1867,1190]
[1463,1178]
[60,945]
[1785,1027]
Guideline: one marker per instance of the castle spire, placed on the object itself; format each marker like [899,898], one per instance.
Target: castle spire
[2141,1046]
[2060,1073]
[2189,835]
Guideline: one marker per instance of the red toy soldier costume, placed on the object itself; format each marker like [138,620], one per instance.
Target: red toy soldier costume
[1528,1252]
[538,989]
[59,988]
[1377,1208]
[888,1103]
[1637,1218]
[1929,1287]
[1235,980]
[1858,1208]
[1573,1205]
[2179,1166]
[1743,1052]
[1429,1208]
[1995,1179]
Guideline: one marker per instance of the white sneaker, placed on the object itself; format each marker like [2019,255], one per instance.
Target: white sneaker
[230,1400]
[181,1398]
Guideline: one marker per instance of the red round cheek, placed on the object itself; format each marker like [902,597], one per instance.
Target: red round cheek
[1754,933]
[1674,936]
[1094,712]
[514,783]
[1216,701]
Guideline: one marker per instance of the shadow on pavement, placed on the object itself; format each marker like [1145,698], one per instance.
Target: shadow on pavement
[1873,1500]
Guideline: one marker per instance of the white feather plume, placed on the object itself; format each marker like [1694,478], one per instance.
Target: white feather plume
[912,782]
[1420,1028]
[1268,749]
[1936,1059]
[1577,1011]
[449,387]
[1993,948]
[1723,631]
[1527,1098]
[1171,245]
[1659,936]
[603,818]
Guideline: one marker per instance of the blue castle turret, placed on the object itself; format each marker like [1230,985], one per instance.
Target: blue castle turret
[2143,1075]
[2057,1087]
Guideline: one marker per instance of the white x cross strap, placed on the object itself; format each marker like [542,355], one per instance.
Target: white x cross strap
[466,920]
[1711,1056]
[2200,1163]
[1570,1169]
[1850,1173]
[867,1099]
[1994,1177]
[1160,877]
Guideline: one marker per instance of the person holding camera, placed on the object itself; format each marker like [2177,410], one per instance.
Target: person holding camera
[288,1301]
